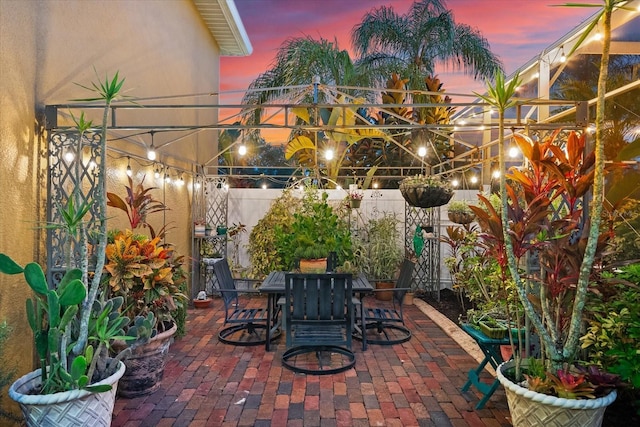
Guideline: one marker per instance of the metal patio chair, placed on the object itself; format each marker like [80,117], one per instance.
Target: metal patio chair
[385,325]
[318,322]
[246,326]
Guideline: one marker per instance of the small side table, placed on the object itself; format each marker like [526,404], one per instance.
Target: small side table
[491,349]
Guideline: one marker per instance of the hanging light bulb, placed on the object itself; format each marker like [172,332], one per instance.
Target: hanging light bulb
[264,185]
[167,178]
[129,172]
[180,180]
[513,152]
[242,150]
[496,174]
[455,183]
[422,151]
[151,154]
[328,154]
[563,57]
[156,172]
[69,156]
[474,179]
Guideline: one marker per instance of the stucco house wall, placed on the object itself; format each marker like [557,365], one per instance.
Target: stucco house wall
[161,48]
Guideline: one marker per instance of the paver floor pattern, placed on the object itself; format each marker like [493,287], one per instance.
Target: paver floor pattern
[417,383]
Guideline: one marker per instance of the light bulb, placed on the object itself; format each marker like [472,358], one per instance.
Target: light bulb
[69,156]
[422,151]
[375,185]
[129,172]
[180,181]
[196,185]
[328,154]
[496,174]
[151,154]
[156,173]
[474,179]
[455,183]
[264,186]
[242,150]
[513,152]
[167,178]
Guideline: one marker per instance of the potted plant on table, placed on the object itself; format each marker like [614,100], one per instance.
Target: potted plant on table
[74,324]
[315,233]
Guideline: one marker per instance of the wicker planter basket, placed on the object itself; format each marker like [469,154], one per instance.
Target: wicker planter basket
[422,196]
[493,332]
[68,408]
[461,217]
[531,409]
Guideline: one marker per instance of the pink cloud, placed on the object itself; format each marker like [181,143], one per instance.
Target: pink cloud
[517,30]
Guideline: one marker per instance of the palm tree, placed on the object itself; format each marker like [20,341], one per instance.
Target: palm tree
[414,43]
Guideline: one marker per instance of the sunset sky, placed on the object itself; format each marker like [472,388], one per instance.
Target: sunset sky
[517,31]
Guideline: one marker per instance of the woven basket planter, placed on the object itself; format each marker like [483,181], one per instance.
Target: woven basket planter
[422,196]
[493,332]
[531,409]
[461,217]
[68,408]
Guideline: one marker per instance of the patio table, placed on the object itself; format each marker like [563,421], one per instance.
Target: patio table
[273,286]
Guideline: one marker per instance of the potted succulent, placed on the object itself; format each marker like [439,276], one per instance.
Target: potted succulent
[315,233]
[426,191]
[74,324]
[459,212]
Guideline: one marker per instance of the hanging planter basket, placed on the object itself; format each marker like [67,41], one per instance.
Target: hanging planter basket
[425,196]
[461,217]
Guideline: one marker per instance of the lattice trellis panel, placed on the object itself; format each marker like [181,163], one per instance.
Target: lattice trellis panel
[426,273]
[209,204]
[73,164]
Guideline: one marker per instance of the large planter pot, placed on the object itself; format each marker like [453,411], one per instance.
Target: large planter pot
[461,217]
[145,366]
[385,295]
[69,408]
[313,266]
[422,196]
[531,409]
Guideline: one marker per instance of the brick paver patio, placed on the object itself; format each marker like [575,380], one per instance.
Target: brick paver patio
[207,383]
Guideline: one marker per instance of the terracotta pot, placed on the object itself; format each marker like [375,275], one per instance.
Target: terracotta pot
[531,409]
[202,303]
[384,295]
[68,408]
[408,298]
[145,365]
[311,266]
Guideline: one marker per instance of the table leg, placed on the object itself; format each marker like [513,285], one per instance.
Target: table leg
[267,345]
[492,356]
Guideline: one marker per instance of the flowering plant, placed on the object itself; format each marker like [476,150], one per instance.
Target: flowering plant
[356,195]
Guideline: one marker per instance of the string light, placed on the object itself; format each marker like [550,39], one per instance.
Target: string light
[328,154]
[563,57]
[156,172]
[422,151]
[242,150]
[455,183]
[151,154]
[264,185]
[129,172]
[474,179]
[513,152]
[180,180]
[496,174]
[69,156]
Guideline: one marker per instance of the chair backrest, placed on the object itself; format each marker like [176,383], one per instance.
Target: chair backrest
[318,301]
[225,282]
[404,281]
